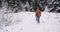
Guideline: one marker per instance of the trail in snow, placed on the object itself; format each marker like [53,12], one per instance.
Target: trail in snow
[26,22]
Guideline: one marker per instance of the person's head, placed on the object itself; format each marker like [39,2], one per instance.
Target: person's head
[38,7]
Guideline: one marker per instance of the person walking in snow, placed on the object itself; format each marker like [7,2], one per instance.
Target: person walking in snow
[38,14]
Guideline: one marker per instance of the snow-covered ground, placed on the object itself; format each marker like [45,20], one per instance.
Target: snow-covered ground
[26,22]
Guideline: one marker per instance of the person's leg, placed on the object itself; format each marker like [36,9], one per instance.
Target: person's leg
[38,19]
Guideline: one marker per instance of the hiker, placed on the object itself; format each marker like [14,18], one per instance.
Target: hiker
[38,14]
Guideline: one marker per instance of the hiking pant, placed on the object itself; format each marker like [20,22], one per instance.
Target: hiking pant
[38,19]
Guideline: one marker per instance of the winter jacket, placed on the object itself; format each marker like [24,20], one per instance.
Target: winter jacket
[38,12]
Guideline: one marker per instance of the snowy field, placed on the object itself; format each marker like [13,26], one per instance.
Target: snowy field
[26,22]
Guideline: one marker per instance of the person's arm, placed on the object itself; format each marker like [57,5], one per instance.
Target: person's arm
[40,13]
[36,12]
